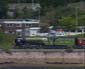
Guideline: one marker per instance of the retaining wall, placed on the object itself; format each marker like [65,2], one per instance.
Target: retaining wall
[43,57]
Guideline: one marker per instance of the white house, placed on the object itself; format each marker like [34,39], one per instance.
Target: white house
[20,27]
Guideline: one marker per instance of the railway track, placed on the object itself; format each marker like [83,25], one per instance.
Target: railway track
[43,50]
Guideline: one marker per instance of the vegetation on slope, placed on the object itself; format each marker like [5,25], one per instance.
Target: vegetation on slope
[6,40]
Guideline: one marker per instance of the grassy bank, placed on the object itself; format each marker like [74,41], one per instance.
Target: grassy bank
[6,40]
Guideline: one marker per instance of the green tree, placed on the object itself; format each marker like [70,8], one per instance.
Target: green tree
[17,13]
[81,20]
[51,17]
[3,9]
[54,14]
[27,13]
[44,27]
[68,23]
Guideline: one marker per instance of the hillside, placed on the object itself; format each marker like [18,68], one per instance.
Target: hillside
[45,5]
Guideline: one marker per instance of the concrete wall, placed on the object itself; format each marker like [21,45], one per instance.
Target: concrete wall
[43,57]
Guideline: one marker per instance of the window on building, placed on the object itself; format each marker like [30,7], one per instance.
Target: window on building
[35,25]
[26,25]
[72,30]
[18,25]
[9,25]
[30,25]
[79,30]
[66,30]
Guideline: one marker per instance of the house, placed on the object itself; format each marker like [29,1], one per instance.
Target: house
[20,26]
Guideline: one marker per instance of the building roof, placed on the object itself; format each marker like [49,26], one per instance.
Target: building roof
[21,22]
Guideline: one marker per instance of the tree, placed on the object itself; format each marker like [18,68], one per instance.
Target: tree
[3,9]
[51,17]
[17,14]
[45,5]
[81,20]
[68,23]
[44,27]
[54,14]
[27,13]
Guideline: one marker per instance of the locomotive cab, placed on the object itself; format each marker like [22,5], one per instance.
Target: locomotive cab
[20,41]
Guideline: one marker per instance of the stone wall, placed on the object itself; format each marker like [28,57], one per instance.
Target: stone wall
[43,57]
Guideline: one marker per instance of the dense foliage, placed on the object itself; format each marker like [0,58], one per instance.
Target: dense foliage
[45,4]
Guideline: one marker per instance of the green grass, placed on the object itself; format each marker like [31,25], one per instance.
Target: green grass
[6,40]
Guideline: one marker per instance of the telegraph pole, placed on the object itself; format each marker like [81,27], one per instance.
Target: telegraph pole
[76,16]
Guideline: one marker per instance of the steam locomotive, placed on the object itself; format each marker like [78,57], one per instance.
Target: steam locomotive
[22,43]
